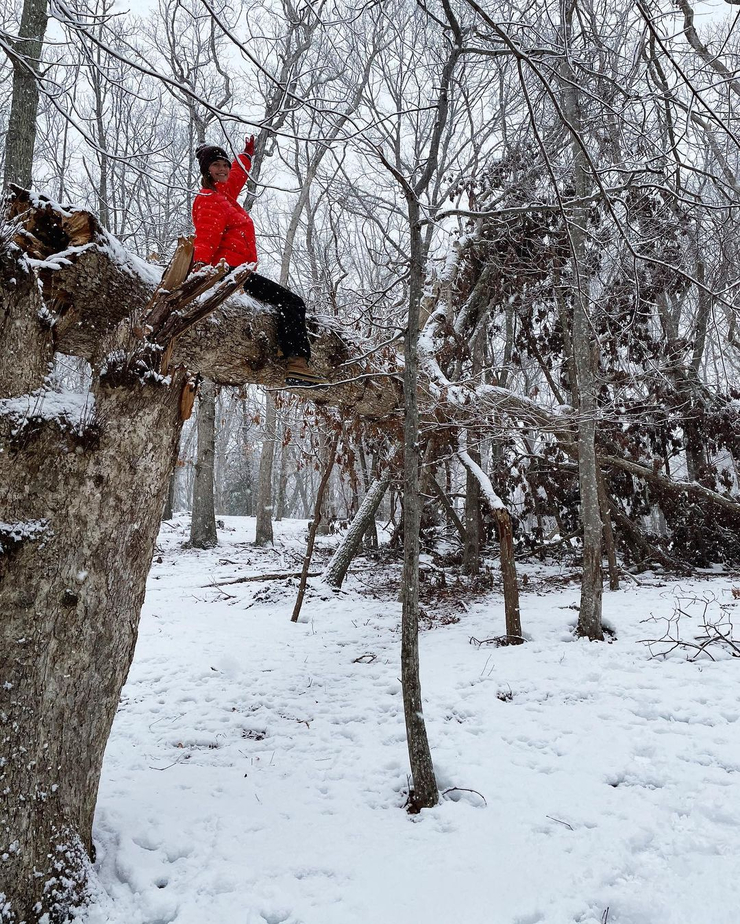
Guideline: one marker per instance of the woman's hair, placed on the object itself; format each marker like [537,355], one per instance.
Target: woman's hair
[206,155]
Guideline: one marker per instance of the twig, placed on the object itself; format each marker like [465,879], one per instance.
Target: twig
[560,822]
[462,789]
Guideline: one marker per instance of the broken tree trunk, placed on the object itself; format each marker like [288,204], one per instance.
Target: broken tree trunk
[336,571]
[84,479]
[506,546]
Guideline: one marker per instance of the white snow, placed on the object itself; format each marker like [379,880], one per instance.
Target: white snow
[22,531]
[69,408]
[257,768]
[492,498]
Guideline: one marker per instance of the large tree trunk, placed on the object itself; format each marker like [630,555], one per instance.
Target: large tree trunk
[336,570]
[203,521]
[21,136]
[84,484]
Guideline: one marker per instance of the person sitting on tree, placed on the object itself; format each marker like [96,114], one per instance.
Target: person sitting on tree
[225,231]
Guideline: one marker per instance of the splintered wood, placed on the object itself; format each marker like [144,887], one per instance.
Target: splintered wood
[178,301]
[44,228]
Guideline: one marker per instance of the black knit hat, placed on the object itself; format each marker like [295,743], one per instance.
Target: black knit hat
[208,154]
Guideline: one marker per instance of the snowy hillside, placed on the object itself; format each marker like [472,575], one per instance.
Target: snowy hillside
[257,769]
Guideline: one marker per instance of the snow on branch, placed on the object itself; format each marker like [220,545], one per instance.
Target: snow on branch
[492,498]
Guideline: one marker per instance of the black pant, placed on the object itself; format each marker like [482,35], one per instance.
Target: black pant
[292,336]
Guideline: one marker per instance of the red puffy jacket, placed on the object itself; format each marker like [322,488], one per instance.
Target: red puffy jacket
[223,230]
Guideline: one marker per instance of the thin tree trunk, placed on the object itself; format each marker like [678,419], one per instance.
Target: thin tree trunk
[473,521]
[336,570]
[314,526]
[425,792]
[584,356]
[203,523]
[449,509]
[20,139]
[609,539]
[473,525]
[371,535]
[169,504]
[282,482]
[322,526]
[263,532]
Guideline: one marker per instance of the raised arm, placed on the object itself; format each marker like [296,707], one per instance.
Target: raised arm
[240,169]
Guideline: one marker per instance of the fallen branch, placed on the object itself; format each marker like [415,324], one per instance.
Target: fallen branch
[262,577]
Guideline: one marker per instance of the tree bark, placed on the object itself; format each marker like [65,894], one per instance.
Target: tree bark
[282,482]
[314,526]
[473,525]
[84,484]
[169,504]
[20,139]
[336,570]
[203,521]
[506,546]
[609,538]
[425,793]
[449,509]
[263,532]
[584,354]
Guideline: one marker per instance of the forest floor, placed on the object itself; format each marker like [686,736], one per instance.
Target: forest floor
[257,769]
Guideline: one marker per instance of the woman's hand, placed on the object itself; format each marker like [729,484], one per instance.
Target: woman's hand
[249,146]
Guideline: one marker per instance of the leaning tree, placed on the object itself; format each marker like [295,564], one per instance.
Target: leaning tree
[84,480]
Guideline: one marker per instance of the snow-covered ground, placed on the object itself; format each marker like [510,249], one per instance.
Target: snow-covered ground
[257,768]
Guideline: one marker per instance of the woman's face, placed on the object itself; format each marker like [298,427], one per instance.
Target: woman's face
[219,170]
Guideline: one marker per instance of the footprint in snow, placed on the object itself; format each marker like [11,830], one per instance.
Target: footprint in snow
[272,916]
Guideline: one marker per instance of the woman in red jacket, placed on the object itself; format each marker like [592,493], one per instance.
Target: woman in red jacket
[224,231]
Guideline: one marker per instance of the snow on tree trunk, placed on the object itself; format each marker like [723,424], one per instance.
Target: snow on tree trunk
[336,570]
[506,544]
[203,523]
[84,479]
